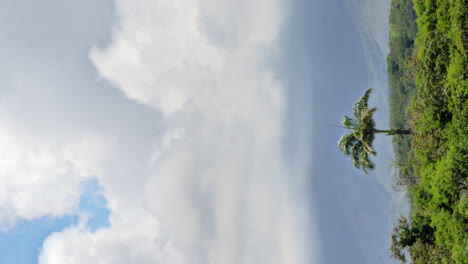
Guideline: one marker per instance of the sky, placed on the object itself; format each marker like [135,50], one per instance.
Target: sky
[189,131]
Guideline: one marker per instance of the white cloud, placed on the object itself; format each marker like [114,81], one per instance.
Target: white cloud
[42,178]
[44,154]
[217,188]
[137,241]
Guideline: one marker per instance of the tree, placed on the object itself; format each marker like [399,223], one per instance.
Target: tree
[403,237]
[417,241]
[358,142]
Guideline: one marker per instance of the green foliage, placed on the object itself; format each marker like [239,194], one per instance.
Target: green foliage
[401,66]
[438,112]
[416,239]
[358,142]
[423,253]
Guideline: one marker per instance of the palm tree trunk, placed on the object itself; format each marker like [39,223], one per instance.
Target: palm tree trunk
[392,132]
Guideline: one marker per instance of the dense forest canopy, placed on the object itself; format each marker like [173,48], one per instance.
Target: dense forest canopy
[428,75]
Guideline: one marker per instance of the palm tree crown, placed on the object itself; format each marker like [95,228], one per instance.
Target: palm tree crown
[358,142]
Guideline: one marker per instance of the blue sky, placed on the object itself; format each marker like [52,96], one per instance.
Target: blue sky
[173,132]
[22,243]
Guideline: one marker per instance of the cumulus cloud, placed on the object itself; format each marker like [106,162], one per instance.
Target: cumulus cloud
[135,241]
[40,178]
[216,188]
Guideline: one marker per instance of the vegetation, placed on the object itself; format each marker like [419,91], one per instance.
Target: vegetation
[401,67]
[358,142]
[428,76]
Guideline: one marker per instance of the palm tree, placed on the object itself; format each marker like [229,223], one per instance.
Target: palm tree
[358,142]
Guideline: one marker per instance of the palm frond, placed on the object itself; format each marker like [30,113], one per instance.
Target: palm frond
[355,154]
[366,126]
[349,122]
[368,148]
[365,162]
[346,142]
[362,104]
[366,116]
[358,142]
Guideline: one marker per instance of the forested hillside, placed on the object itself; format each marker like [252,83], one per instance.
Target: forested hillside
[401,63]
[429,93]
